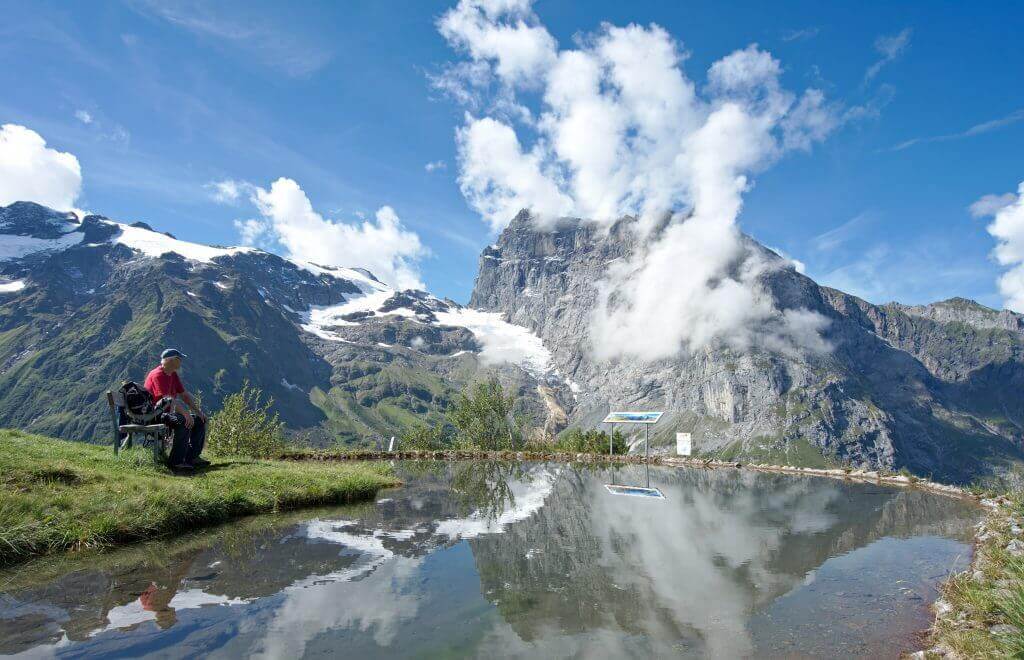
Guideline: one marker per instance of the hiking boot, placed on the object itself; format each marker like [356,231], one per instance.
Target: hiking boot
[201,463]
[183,467]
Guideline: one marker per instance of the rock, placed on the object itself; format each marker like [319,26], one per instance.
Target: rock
[1015,548]
[942,608]
[978,576]
[1004,629]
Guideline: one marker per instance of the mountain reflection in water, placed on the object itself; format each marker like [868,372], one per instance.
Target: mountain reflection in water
[500,559]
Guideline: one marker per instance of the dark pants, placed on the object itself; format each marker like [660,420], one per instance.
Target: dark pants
[188,443]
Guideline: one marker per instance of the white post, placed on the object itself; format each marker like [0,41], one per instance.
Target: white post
[684,444]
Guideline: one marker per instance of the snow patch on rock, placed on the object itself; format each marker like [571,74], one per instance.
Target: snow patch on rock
[155,244]
[18,247]
[501,340]
[12,287]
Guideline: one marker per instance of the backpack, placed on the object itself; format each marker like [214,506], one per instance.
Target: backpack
[138,402]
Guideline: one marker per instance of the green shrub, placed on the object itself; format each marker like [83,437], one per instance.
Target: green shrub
[484,418]
[243,427]
[426,438]
[592,441]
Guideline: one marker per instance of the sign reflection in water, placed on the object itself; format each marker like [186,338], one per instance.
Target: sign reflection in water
[533,560]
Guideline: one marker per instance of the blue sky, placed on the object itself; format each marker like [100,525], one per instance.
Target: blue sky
[338,98]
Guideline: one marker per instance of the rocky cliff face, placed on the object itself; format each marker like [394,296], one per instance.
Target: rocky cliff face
[932,388]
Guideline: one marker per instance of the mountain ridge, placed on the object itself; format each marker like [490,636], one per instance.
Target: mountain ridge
[84,303]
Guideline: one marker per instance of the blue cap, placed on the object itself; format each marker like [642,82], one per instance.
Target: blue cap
[172,352]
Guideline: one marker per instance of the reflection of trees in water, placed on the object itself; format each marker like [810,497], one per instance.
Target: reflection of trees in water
[483,488]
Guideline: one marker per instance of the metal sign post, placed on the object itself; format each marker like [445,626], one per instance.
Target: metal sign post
[646,418]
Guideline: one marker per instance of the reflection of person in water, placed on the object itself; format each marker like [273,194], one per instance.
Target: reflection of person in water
[157,598]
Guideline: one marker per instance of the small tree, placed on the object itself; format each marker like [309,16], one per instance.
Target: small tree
[242,427]
[426,438]
[483,418]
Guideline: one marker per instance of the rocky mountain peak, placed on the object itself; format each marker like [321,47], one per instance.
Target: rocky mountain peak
[901,385]
[29,219]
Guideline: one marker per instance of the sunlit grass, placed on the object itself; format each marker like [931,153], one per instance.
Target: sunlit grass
[987,618]
[57,495]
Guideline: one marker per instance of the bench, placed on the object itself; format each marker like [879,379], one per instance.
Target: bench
[155,436]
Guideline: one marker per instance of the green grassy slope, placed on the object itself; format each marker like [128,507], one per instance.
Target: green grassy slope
[57,495]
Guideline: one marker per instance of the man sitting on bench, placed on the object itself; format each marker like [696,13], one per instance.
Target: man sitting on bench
[189,427]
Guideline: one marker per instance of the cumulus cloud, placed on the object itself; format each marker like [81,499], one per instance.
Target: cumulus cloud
[621,130]
[31,171]
[505,32]
[1008,228]
[435,165]
[889,47]
[381,245]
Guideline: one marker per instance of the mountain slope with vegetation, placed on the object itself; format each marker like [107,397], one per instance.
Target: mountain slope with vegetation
[85,305]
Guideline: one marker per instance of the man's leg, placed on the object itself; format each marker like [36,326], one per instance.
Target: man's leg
[197,440]
[179,449]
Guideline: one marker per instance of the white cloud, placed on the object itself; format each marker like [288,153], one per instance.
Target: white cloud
[253,231]
[802,34]
[989,205]
[623,131]
[381,245]
[889,47]
[977,129]
[504,32]
[435,165]
[498,178]
[31,171]
[798,265]
[228,191]
[83,116]
[1008,229]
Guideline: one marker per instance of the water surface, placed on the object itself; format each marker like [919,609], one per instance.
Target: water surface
[527,560]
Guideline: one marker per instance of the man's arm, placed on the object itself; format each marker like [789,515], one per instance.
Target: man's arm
[191,403]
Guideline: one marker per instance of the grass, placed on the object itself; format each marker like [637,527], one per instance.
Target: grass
[986,617]
[57,495]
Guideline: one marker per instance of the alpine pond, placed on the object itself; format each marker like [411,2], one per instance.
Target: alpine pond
[520,559]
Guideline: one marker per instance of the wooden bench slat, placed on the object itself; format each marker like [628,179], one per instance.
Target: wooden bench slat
[140,428]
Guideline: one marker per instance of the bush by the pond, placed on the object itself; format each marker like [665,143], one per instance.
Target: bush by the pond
[426,438]
[484,418]
[58,495]
[591,441]
[245,427]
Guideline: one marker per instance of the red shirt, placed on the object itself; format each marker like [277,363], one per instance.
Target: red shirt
[161,384]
